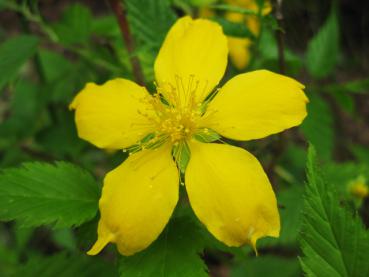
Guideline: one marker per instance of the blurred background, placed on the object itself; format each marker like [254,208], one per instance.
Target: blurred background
[50,49]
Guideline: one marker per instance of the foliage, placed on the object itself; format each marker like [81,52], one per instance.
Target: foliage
[323,49]
[37,194]
[175,253]
[64,265]
[50,179]
[334,242]
[13,54]
[149,37]
[318,126]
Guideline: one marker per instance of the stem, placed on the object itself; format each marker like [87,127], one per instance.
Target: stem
[280,144]
[280,36]
[117,7]
[258,36]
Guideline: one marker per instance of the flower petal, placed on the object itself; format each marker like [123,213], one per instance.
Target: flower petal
[230,193]
[194,50]
[256,104]
[137,201]
[239,51]
[112,115]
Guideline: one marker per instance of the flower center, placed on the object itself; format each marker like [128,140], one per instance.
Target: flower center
[176,110]
[178,117]
[177,124]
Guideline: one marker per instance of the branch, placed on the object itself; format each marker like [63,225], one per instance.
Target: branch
[280,36]
[117,7]
[280,145]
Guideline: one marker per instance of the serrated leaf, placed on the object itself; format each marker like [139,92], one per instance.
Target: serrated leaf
[62,265]
[13,54]
[149,22]
[333,241]
[323,49]
[318,127]
[175,254]
[39,193]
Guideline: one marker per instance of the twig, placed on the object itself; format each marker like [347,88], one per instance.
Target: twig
[280,144]
[280,36]
[117,7]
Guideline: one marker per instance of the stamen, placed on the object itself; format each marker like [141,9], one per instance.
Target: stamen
[175,116]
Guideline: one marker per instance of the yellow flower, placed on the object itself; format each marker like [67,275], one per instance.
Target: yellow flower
[358,188]
[226,185]
[239,48]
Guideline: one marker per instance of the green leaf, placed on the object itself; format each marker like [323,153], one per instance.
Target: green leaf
[65,239]
[333,241]
[62,265]
[268,54]
[361,153]
[318,127]
[234,29]
[61,138]
[149,22]
[290,201]
[75,26]
[175,253]
[53,65]
[267,266]
[25,107]
[360,86]
[106,26]
[345,101]
[341,175]
[323,49]
[290,205]
[13,54]
[40,193]
[63,78]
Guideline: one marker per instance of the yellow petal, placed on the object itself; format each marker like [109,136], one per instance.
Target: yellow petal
[230,193]
[111,115]
[239,51]
[256,104]
[137,201]
[193,58]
